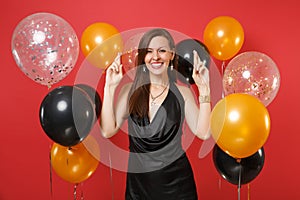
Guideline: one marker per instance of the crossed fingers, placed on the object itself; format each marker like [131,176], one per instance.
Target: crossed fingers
[116,65]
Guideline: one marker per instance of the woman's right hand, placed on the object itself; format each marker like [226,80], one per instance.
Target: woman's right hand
[114,72]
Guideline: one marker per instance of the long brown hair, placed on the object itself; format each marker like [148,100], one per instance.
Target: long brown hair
[140,89]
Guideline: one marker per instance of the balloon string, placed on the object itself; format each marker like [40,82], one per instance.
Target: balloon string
[111,179]
[222,74]
[75,191]
[248,191]
[239,184]
[50,173]
[81,192]
[223,68]
[81,197]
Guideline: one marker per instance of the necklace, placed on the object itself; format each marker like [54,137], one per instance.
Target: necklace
[154,98]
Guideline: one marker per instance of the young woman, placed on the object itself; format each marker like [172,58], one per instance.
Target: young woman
[155,106]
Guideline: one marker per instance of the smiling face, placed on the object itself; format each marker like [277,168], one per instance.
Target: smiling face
[158,56]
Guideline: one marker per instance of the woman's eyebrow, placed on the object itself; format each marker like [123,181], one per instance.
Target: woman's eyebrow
[159,47]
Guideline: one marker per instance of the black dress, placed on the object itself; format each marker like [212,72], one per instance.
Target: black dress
[158,168]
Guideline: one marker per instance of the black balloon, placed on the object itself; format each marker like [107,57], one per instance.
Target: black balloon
[184,50]
[236,171]
[94,95]
[67,115]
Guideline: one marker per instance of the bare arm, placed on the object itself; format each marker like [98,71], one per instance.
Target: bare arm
[198,117]
[113,113]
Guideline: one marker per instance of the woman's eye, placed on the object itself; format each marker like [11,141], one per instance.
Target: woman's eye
[162,51]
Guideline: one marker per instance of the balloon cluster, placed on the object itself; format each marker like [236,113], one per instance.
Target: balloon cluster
[45,47]
[240,122]
[67,115]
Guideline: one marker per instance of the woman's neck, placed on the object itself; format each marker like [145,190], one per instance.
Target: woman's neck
[159,80]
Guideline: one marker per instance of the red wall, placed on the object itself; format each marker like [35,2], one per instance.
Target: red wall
[270,27]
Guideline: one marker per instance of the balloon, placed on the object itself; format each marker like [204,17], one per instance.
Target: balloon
[74,164]
[130,50]
[241,171]
[93,95]
[224,37]
[240,124]
[184,50]
[128,59]
[100,43]
[252,73]
[45,47]
[67,115]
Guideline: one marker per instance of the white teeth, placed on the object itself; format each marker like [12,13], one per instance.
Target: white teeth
[156,64]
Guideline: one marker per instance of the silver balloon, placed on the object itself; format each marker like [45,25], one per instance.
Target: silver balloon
[45,47]
[252,73]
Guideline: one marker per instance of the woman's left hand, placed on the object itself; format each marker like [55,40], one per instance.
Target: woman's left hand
[201,75]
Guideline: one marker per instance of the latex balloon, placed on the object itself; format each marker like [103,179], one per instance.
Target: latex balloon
[67,115]
[100,43]
[252,73]
[224,37]
[241,171]
[93,95]
[184,50]
[128,59]
[74,164]
[240,124]
[45,47]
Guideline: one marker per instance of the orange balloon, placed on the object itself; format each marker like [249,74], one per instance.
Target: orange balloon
[74,164]
[100,43]
[240,124]
[224,37]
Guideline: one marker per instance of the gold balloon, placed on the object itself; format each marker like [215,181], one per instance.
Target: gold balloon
[224,37]
[75,164]
[100,43]
[240,124]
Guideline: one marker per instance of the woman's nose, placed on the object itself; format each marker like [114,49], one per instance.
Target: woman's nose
[155,55]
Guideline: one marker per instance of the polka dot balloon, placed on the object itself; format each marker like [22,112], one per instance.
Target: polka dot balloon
[45,47]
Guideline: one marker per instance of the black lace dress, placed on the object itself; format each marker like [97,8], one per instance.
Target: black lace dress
[158,168]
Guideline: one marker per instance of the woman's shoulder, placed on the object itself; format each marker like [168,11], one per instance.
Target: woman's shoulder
[125,88]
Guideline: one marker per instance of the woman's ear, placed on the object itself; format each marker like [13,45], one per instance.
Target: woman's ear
[173,55]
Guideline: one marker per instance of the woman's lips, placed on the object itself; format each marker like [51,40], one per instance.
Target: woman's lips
[156,65]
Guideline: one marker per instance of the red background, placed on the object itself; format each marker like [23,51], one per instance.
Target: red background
[270,27]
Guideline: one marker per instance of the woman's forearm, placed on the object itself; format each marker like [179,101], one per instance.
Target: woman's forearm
[203,122]
[107,118]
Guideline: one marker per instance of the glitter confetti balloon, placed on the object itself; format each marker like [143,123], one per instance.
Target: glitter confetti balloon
[45,47]
[252,73]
